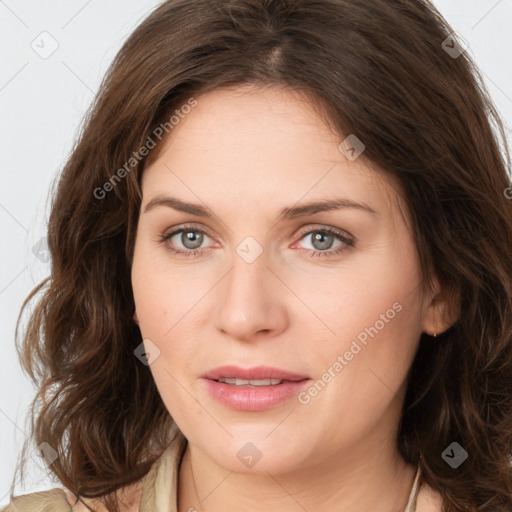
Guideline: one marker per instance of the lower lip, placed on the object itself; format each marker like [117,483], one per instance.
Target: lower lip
[259,398]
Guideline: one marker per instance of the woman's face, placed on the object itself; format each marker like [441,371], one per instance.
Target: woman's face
[253,286]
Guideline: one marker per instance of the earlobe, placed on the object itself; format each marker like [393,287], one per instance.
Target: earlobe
[430,325]
[441,314]
[135,317]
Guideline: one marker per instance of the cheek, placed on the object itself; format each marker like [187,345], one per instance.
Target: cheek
[358,377]
[175,391]
[169,308]
[160,295]
[374,336]
[357,294]
[162,302]
[373,313]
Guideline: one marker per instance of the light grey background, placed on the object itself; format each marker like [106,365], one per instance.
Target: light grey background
[43,98]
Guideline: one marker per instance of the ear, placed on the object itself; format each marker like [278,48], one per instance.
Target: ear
[442,309]
[135,317]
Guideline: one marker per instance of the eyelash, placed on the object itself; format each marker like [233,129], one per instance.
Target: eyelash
[313,253]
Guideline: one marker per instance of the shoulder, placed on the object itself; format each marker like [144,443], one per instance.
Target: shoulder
[429,500]
[62,500]
[53,500]
[131,496]
[162,476]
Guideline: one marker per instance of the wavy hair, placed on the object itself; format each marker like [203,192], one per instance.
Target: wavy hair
[392,72]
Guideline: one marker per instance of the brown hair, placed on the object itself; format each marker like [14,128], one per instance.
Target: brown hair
[389,72]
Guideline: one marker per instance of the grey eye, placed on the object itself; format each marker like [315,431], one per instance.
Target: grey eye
[321,240]
[191,239]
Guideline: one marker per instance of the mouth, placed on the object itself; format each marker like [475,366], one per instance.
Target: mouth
[253,389]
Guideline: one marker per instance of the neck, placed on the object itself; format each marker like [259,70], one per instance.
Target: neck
[341,482]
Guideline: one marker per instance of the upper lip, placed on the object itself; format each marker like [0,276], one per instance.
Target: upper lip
[254,373]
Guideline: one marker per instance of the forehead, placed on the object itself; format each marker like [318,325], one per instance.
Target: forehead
[269,145]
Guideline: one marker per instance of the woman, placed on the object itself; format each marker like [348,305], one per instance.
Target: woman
[281,273]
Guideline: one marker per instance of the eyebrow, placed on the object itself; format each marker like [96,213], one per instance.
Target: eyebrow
[291,212]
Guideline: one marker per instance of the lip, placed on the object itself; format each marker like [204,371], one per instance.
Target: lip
[246,398]
[254,373]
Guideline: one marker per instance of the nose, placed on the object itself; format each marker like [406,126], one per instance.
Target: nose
[251,300]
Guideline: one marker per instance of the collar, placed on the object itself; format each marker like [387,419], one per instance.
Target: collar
[160,490]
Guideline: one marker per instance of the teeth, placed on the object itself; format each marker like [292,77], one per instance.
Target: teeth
[243,382]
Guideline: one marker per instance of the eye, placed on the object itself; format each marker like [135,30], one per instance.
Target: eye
[322,240]
[190,238]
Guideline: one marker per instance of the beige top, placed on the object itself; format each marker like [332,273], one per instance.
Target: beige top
[159,492]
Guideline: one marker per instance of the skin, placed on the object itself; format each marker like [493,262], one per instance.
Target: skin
[246,153]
